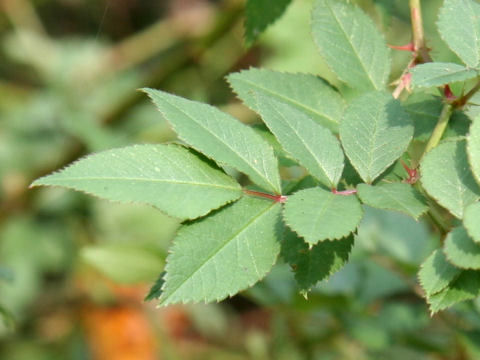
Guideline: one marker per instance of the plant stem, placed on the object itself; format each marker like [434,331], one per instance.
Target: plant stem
[439,128]
[417,30]
[276,198]
[459,103]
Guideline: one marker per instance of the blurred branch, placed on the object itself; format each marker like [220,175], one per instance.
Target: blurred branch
[22,15]
[184,53]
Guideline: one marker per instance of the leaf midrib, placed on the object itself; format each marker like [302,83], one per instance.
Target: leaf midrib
[290,100]
[217,251]
[351,45]
[274,187]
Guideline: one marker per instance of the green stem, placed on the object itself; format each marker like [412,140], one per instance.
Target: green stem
[417,30]
[439,128]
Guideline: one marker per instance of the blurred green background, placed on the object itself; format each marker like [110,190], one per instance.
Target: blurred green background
[74,270]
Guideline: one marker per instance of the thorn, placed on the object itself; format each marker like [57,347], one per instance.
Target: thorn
[448,93]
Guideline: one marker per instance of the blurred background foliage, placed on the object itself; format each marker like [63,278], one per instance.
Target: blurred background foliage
[74,270]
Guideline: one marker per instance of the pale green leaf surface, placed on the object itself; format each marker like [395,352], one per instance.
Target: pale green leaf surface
[224,253]
[471,221]
[375,131]
[473,148]
[393,196]
[318,263]
[447,178]
[125,264]
[459,25]
[351,44]
[436,273]
[317,214]
[221,137]
[438,73]
[308,142]
[169,177]
[461,250]
[261,13]
[465,287]
[307,93]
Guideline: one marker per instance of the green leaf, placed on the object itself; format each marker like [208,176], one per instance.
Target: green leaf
[436,273]
[318,263]
[261,13]
[317,214]
[169,177]
[465,287]
[125,264]
[471,221]
[224,253]
[221,137]
[393,196]
[156,290]
[446,177]
[351,44]
[473,148]
[308,142]
[375,131]
[461,250]
[438,73]
[307,93]
[459,26]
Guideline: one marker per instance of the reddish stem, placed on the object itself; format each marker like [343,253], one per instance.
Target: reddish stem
[277,198]
[344,192]
[408,47]
[448,93]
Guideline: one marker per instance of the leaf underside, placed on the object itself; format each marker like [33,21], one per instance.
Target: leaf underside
[351,44]
[224,253]
[220,137]
[169,177]
[261,13]
[466,286]
[316,264]
[461,250]
[436,273]
[317,214]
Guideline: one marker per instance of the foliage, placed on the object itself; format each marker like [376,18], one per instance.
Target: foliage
[352,139]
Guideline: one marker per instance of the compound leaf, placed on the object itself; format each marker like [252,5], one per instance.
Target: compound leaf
[438,73]
[461,250]
[436,273]
[459,26]
[471,221]
[307,93]
[316,264]
[473,148]
[393,196]
[465,287]
[169,177]
[224,253]
[447,178]
[261,13]
[317,214]
[221,137]
[308,142]
[375,131]
[351,44]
